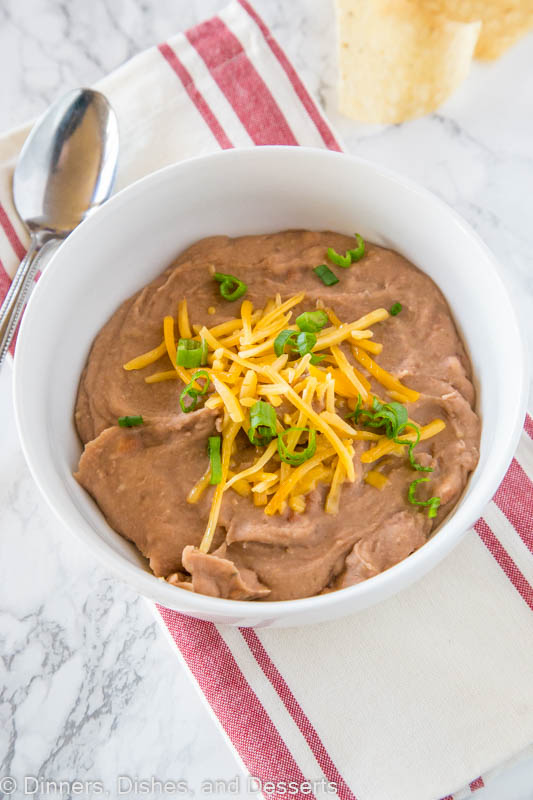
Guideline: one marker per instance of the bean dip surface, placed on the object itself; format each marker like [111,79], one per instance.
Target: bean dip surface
[141,477]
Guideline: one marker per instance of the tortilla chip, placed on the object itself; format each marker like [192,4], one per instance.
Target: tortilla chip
[504,21]
[398,60]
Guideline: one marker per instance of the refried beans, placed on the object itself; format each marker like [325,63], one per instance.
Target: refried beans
[141,477]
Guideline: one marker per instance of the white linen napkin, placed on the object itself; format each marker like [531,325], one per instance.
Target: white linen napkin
[412,699]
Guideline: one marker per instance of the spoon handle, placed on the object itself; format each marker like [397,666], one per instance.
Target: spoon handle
[18,293]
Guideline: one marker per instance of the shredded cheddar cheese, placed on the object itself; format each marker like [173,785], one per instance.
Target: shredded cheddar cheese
[199,488]
[243,488]
[297,473]
[280,362]
[159,377]
[170,342]
[355,330]
[302,366]
[372,347]
[232,325]
[389,446]
[333,318]
[384,377]
[333,498]
[243,369]
[265,347]
[266,483]
[147,358]
[400,398]
[229,399]
[257,467]
[248,386]
[279,310]
[183,320]
[271,330]
[349,372]
[246,316]
[297,504]
[308,483]
[376,479]
[338,424]
[227,445]
[330,395]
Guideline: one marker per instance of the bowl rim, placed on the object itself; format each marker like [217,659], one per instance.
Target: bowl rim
[412,567]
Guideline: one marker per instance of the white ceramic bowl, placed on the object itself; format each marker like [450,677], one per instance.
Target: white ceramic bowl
[136,235]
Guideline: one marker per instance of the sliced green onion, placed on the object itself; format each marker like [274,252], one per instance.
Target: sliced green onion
[327,277]
[358,252]
[283,339]
[130,422]
[395,309]
[410,449]
[393,417]
[316,359]
[297,457]
[301,343]
[193,391]
[213,451]
[357,410]
[262,423]
[312,321]
[231,288]
[432,504]
[189,353]
[351,256]
[336,258]
[305,342]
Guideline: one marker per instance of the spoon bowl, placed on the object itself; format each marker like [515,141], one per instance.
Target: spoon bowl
[66,169]
[67,165]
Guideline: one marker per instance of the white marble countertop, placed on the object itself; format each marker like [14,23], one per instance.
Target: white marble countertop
[90,689]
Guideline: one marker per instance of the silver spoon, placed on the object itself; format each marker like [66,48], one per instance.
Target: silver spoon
[65,170]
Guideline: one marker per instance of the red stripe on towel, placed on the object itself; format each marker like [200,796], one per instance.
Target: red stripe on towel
[233,701]
[504,560]
[303,95]
[5,282]
[12,235]
[477,784]
[528,426]
[197,98]
[515,499]
[240,82]
[295,710]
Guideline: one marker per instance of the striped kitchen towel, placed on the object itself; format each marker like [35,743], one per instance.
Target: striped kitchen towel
[422,694]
